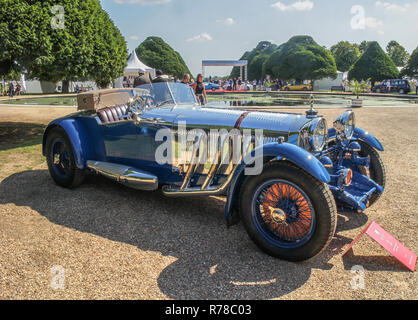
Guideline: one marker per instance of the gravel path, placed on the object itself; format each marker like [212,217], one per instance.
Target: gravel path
[117,243]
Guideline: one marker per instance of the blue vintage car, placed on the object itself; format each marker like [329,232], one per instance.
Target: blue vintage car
[212,86]
[285,184]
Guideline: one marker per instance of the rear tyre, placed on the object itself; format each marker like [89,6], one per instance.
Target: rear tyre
[60,160]
[377,171]
[288,213]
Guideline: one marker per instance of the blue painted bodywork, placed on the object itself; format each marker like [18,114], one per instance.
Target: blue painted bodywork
[275,151]
[133,144]
[363,135]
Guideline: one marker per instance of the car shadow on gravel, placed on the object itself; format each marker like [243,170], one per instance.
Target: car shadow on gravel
[212,262]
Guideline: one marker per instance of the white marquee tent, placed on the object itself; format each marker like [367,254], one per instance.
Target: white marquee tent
[131,71]
[135,65]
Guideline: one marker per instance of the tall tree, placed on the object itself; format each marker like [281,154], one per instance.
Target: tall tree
[301,58]
[374,64]
[397,53]
[85,44]
[156,53]
[256,59]
[345,55]
[22,40]
[411,69]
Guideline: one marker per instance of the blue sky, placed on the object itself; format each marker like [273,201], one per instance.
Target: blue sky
[225,29]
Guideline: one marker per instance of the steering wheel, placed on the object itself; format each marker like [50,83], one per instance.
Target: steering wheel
[136,104]
[148,100]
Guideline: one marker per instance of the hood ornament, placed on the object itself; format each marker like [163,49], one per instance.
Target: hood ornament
[311,113]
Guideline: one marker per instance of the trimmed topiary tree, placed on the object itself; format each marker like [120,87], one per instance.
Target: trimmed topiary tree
[374,64]
[156,53]
[301,58]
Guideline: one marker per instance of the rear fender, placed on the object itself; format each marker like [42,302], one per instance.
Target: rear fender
[276,151]
[78,136]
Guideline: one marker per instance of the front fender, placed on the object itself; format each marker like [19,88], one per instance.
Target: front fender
[368,138]
[277,151]
[78,136]
[363,135]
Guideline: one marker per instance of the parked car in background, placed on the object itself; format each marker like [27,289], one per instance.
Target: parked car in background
[393,85]
[298,87]
[212,86]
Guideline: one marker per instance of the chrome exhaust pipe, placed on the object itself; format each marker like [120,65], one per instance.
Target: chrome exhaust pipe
[126,175]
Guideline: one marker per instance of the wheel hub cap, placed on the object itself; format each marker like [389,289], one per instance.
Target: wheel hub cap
[278,215]
[285,211]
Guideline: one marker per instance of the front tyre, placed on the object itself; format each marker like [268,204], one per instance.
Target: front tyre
[288,213]
[60,160]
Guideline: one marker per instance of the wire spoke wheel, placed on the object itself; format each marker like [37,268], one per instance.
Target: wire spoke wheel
[283,213]
[288,213]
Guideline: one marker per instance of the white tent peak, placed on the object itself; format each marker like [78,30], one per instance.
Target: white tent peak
[135,65]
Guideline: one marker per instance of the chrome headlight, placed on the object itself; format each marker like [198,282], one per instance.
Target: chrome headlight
[313,136]
[344,125]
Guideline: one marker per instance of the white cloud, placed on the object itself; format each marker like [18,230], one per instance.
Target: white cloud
[135,38]
[373,23]
[393,7]
[143,2]
[203,37]
[227,21]
[305,5]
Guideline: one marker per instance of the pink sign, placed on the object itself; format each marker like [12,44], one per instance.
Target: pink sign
[389,243]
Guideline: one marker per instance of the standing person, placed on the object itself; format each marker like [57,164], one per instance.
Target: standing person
[416,87]
[199,89]
[186,79]
[255,84]
[11,89]
[141,79]
[160,77]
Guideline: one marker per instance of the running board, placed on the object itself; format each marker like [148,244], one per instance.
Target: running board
[131,177]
